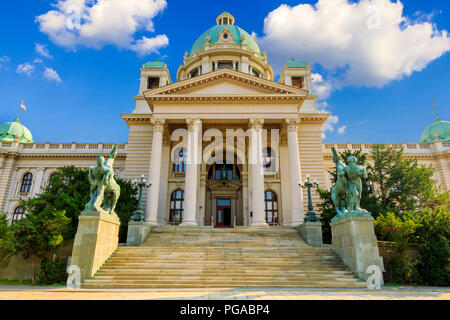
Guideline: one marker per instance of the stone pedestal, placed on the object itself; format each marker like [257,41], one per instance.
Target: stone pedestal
[137,232]
[311,233]
[354,241]
[96,239]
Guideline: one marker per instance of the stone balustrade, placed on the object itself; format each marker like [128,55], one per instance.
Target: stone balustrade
[58,148]
[438,146]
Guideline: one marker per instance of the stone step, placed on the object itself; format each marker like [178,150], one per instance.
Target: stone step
[212,284]
[175,278]
[197,257]
[211,273]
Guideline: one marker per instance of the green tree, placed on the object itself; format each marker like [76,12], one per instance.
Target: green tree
[401,184]
[39,234]
[433,238]
[69,191]
[7,244]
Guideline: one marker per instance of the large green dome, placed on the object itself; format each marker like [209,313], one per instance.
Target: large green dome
[439,130]
[15,132]
[237,33]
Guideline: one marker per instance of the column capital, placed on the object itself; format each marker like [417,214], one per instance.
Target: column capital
[291,124]
[192,124]
[256,124]
[158,124]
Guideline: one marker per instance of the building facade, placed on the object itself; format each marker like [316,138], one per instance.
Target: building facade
[224,145]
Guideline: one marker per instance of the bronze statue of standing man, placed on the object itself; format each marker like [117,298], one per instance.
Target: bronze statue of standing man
[104,190]
[347,191]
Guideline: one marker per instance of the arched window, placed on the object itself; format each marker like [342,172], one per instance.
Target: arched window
[269,162]
[27,181]
[176,207]
[179,161]
[271,204]
[50,179]
[18,214]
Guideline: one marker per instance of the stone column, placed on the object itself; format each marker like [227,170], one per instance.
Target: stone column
[245,205]
[5,180]
[151,212]
[297,213]
[202,203]
[259,214]
[191,180]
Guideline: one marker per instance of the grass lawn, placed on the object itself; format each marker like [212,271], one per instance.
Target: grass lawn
[16,282]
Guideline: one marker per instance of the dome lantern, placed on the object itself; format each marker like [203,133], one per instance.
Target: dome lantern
[225,18]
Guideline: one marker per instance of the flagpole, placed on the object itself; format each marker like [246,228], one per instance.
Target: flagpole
[18,112]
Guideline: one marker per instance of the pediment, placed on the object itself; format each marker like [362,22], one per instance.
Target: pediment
[225,82]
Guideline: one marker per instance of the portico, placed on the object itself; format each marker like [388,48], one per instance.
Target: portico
[229,160]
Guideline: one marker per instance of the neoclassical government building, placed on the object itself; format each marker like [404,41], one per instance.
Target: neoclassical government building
[225,105]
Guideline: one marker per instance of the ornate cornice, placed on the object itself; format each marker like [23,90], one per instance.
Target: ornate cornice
[313,117]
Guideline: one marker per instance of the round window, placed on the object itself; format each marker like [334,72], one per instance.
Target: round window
[225,36]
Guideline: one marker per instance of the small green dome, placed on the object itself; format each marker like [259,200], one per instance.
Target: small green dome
[15,132]
[439,130]
[237,33]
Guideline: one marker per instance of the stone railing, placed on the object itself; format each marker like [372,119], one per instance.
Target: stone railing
[407,147]
[89,148]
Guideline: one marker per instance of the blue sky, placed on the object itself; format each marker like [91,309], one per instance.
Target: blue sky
[78,88]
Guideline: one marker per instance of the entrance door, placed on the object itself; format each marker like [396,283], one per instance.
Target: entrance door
[223,213]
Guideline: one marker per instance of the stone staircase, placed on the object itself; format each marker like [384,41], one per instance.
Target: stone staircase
[199,257]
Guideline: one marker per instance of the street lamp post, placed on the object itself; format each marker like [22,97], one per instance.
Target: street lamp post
[310,215]
[139,213]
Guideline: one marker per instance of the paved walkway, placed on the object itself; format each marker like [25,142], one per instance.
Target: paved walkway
[63,293]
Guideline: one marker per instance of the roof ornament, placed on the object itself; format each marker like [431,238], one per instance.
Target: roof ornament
[435,110]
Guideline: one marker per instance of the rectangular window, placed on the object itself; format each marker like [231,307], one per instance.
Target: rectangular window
[152,83]
[298,82]
[225,64]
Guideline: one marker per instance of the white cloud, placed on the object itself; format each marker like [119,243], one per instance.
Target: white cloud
[329,125]
[42,50]
[52,75]
[25,68]
[321,87]
[146,45]
[342,129]
[95,24]
[342,36]
[3,60]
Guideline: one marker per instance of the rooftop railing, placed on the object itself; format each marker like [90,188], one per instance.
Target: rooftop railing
[407,147]
[74,147]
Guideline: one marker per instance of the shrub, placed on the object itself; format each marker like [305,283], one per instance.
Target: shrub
[53,271]
[433,234]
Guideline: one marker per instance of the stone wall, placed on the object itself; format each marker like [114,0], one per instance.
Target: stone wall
[21,269]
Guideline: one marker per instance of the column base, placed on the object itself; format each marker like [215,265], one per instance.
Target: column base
[296,223]
[259,224]
[153,223]
[189,224]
